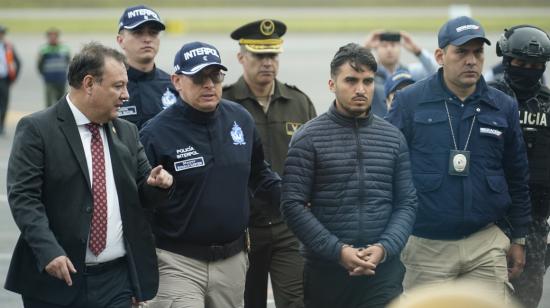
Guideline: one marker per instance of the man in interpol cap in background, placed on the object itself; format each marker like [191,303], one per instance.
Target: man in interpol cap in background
[211,147]
[397,81]
[469,166]
[149,87]
[279,110]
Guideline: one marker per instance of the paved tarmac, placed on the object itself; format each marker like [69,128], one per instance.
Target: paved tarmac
[305,63]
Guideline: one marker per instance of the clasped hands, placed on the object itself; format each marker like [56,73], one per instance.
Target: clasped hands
[361,261]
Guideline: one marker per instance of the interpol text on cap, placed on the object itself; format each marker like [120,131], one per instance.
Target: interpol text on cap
[135,16]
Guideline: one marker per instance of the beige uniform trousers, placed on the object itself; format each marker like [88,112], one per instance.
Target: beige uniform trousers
[479,259]
[191,283]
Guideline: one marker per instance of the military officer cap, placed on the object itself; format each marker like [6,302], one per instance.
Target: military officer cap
[261,36]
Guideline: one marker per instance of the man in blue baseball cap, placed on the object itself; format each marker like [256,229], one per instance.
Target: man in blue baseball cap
[211,147]
[149,87]
[469,167]
[397,81]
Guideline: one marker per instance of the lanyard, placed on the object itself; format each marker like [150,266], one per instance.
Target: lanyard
[452,132]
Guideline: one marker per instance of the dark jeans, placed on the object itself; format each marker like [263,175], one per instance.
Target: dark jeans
[331,286]
[109,289]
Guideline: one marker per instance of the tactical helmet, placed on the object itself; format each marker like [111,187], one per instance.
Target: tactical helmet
[524,42]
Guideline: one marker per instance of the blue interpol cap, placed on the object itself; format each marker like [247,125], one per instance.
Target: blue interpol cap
[135,16]
[400,77]
[459,31]
[195,56]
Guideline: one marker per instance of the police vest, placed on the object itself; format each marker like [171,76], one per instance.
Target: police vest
[534,118]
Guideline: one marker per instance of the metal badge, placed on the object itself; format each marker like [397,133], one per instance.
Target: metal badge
[459,163]
[267,27]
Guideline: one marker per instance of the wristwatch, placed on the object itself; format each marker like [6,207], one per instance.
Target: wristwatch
[519,241]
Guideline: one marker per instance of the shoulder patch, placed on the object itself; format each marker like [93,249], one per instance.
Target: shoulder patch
[293,87]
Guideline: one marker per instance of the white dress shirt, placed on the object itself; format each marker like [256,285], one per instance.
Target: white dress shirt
[115,243]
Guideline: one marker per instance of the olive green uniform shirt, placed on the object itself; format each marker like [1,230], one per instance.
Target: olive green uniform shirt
[289,108]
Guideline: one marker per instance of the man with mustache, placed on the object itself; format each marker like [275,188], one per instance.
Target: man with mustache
[469,166]
[211,147]
[78,181]
[353,169]
[279,110]
[150,89]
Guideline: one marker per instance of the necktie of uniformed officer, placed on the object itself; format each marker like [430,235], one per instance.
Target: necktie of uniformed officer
[98,229]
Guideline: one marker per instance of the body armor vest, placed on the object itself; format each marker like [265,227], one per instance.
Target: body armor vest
[534,118]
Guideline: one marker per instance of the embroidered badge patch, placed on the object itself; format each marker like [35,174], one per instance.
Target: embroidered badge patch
[237,134]
[189,163]
[168,99]
[490,131]
[292,127]
[127,111]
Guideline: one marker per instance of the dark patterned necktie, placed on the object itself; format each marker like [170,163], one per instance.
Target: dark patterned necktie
[98,230]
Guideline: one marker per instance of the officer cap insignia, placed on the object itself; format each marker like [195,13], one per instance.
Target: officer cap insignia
[267,27]
[261,36]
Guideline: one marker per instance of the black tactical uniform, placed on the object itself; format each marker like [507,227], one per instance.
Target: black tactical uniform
[531,45]
[274,248]
[150,93]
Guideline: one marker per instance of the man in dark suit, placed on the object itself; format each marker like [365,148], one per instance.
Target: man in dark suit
[77,180]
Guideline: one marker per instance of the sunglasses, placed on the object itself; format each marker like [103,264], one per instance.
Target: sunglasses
[200,78]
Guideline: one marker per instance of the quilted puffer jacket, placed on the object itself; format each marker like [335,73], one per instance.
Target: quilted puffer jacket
[355,174]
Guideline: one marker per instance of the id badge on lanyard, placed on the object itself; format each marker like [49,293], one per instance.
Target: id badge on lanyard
[459,161]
